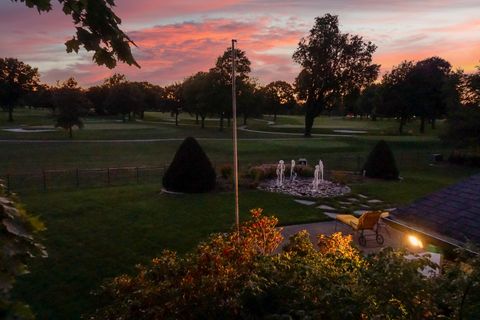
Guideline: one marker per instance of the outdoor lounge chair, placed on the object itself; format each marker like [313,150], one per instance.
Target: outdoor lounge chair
[367,221]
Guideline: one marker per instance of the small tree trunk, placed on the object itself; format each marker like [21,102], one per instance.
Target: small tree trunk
[228,121]
[422,124]
[221,121]
[309,118]
[10,113]
[275,116]
[433,123]
[402,123]
[196,118]
[70,132]
[245,119]
[203,121]
[176,118]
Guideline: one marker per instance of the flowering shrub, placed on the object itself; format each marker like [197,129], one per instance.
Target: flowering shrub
[469,157]
[206,284]
[226,171]
[244,275]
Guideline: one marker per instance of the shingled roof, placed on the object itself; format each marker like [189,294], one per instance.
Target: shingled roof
[451,213]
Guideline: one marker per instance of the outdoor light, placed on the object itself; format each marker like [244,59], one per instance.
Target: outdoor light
[415,242]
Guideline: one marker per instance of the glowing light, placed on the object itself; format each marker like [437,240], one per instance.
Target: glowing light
[415,242]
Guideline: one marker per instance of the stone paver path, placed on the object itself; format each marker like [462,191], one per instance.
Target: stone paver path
[325,207]
[304,202]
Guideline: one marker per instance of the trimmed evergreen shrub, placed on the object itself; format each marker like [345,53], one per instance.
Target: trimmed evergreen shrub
[381,163]
[190,171]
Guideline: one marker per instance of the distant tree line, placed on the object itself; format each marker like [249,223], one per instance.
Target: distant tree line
[204,94]
[337,77]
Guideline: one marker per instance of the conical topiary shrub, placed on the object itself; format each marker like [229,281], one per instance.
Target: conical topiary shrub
[381,163]
[190,171]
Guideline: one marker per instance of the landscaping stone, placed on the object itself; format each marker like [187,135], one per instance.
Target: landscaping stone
[332,215]
[362,196]
[325,207]
[304,202]
[359,212]
[374,201]
[364,206]
[302,187]
[352,199]
[345,202]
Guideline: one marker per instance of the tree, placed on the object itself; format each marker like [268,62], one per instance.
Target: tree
[220,97]
[223,76]
[397,92]
[98,95]
[249,99]
[432,85]
[17,79]
[190,171]
[172,99]
[125,98]
[153,95]
[197,91]
[370,101]
[278,98]
[115,79]
[463,127]
[381,163]
[71,104]
[20,242]
[40,98]
[223,66]
[333,64]
[97,29]
[472,95]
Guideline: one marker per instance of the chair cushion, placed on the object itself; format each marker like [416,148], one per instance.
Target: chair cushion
[352,221]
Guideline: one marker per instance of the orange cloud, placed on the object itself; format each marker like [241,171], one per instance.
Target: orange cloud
[172,52]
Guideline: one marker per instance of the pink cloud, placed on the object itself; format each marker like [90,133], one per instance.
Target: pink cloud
[172,52]
[192,36]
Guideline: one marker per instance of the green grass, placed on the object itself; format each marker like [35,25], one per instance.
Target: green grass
[416,183]
[324,124]
[337,151]
[94,233]
[98,233]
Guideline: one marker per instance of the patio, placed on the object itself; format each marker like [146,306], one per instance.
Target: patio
[393,237]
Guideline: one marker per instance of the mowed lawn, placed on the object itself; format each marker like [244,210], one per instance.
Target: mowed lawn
[96,233]
[99,233]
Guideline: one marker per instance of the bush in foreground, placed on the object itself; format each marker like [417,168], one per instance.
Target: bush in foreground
[190,171]
[244,275]
[18,243]
[381,163]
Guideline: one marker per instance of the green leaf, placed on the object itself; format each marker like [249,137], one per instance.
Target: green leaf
[72,45]
[16,228]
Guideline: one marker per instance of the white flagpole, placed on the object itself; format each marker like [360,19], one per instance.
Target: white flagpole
[235,147]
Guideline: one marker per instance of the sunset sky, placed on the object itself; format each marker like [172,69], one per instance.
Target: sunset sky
[178,38]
